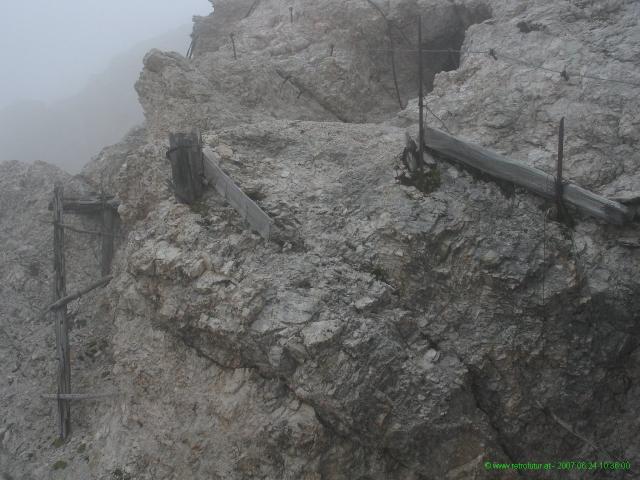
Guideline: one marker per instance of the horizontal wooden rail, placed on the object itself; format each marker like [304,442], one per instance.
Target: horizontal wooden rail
[530,178]
[80,230]
[247,208]
[77,396]
[87,205]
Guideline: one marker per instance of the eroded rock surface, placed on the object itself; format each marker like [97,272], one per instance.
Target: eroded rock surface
[383,332]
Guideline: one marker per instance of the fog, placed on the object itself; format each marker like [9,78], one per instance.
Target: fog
[68,69]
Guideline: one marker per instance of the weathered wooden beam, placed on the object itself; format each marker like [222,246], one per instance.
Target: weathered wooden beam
[185,155]
[247,208]
[420,98]
[87,205]
[78,396]
[60,314]
[192,47]
[530,178]
[63,301]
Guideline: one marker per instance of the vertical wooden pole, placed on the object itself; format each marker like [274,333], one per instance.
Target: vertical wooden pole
[60,314]
[192,47]
[559,185]
[420,97]
[107,237]
[291,13]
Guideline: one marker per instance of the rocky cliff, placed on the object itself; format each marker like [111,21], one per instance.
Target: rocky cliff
[384,332]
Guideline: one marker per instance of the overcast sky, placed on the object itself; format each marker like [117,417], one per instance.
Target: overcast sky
[48,49]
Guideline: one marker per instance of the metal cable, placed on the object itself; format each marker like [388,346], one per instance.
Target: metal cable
[498,55]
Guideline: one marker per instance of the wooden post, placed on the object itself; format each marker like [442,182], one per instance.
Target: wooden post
[108,223]
[559,186]
[192,47]
[60,314]
[291,13]
[233,44]
[185,154]
[420,97]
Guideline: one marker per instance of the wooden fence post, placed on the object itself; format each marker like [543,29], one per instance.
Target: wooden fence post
[185,154]
[60,314]
[420,98]
[561,212]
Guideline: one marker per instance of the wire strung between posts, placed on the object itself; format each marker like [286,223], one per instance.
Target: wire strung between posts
[392,50]
[497,55]
[564,73]
[444,125]
[425,50]
[80,230]
[492,52]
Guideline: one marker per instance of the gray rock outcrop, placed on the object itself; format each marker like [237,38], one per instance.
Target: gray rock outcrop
[384,332]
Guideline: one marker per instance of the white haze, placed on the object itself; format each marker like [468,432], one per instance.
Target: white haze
[68,69]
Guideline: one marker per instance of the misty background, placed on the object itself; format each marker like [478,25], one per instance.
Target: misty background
[69,69]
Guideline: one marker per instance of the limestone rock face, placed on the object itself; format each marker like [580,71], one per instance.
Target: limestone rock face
[383,332]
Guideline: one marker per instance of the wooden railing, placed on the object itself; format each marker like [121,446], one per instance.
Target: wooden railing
[190,165]
[247,208]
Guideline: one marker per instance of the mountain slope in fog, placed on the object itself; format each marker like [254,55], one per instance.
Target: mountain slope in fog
[69,132]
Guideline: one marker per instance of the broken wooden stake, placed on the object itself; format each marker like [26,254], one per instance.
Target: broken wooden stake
[530,178]
[233,44]
[410,154]
[252,8]
[191,49]
[60,314]
[185,155]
